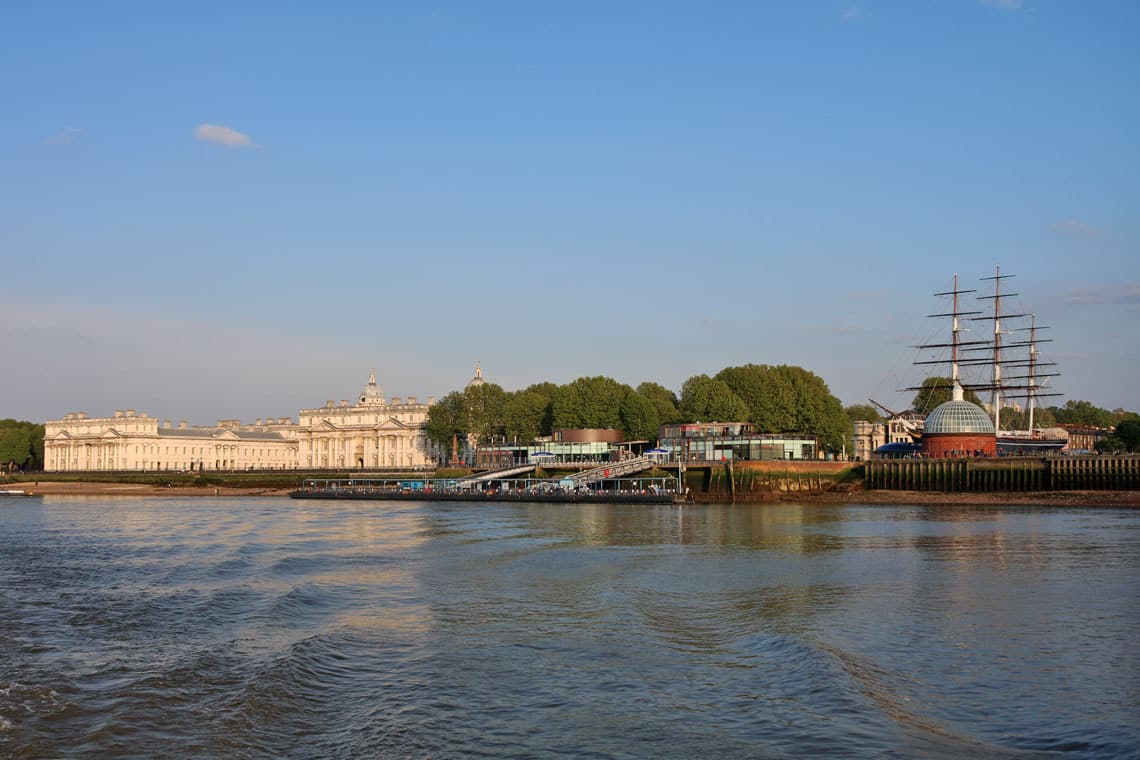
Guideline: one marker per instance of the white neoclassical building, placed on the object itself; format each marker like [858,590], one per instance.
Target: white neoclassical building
[130,441]
[371,433]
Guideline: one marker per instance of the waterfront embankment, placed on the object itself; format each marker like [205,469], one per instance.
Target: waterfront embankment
[850,495]
[89,488]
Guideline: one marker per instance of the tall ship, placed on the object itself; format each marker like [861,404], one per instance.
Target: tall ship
[1001,360]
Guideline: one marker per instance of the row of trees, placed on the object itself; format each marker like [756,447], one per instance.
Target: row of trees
[778,399]
[21,445]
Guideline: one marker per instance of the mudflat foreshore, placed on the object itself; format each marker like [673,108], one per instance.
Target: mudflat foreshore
[854,496]
[79,488]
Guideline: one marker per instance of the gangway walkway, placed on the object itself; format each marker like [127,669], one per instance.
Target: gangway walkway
[612,470]
[483,477]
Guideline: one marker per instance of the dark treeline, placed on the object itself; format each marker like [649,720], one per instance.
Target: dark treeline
[778,399]
[21,445]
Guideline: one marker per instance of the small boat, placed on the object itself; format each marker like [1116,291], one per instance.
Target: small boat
[16,493]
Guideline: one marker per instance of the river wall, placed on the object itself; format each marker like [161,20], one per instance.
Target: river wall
[752,480]
[1006,474]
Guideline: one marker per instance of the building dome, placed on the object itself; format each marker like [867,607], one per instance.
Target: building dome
[372,394]
[478,379]
[958,416]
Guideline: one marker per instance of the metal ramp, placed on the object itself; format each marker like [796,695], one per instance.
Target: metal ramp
[483,477]
[612,470]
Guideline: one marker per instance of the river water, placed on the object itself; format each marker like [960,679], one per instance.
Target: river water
[269,627]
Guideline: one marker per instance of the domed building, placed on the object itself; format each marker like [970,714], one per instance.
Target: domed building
[958,429]
[477,380]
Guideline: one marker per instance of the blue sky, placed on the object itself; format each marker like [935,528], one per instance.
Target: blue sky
[217,210]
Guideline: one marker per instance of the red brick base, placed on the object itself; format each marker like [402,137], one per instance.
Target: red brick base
[939,446]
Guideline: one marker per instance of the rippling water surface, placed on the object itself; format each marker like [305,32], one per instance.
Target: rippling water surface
[253,627]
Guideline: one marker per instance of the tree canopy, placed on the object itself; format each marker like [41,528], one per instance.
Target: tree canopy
[787,399]
[1128,434]
[706,399]
[447,418]
[863,412]
[639,420]
[936,391]
[1083,413]
[526,415]
[767,393]
[21,445]
[484,406]
[663,400]
[589,402]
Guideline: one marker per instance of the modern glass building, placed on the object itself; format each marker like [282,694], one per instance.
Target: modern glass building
[721,441]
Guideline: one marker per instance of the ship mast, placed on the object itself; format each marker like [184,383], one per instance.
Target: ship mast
[1010,386]
[955,345]
[1033,364]
[995,378]
[1031,385]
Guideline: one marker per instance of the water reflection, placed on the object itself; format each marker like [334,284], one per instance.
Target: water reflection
[267,627]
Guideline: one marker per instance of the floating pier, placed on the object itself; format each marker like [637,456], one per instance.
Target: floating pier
[658,490]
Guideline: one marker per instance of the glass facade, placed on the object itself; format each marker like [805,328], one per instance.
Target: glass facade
[543,452]
[720,441]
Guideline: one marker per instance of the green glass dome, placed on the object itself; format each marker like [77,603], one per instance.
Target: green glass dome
[958,417]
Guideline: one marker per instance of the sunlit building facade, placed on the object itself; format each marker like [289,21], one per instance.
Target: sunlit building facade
[370,433]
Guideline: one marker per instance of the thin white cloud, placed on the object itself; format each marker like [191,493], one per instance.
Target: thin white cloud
[1004,5]
[835,327]
[65,136]
[1128,295]
[1074,230]
[231,138]
[853,13]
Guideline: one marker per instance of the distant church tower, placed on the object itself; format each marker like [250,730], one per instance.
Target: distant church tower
[373,394]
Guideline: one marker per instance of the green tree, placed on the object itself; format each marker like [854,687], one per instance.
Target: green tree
[706,399]
[1128,433]
[770,398]
[484,406]
[787,399]
[663,400]
[16,447]
[547,390]
[936,391]
[639,418]
[1110,445]
[525,415]
[816,411]
[1043,418]
[1015,419]
[1120,414]
[863,412]
[1083,413]
[447,418]
[589,402]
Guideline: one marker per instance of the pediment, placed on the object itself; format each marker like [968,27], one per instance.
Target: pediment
[326,425]
[62,435]
[111,433]
[227,435]
[391,424]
